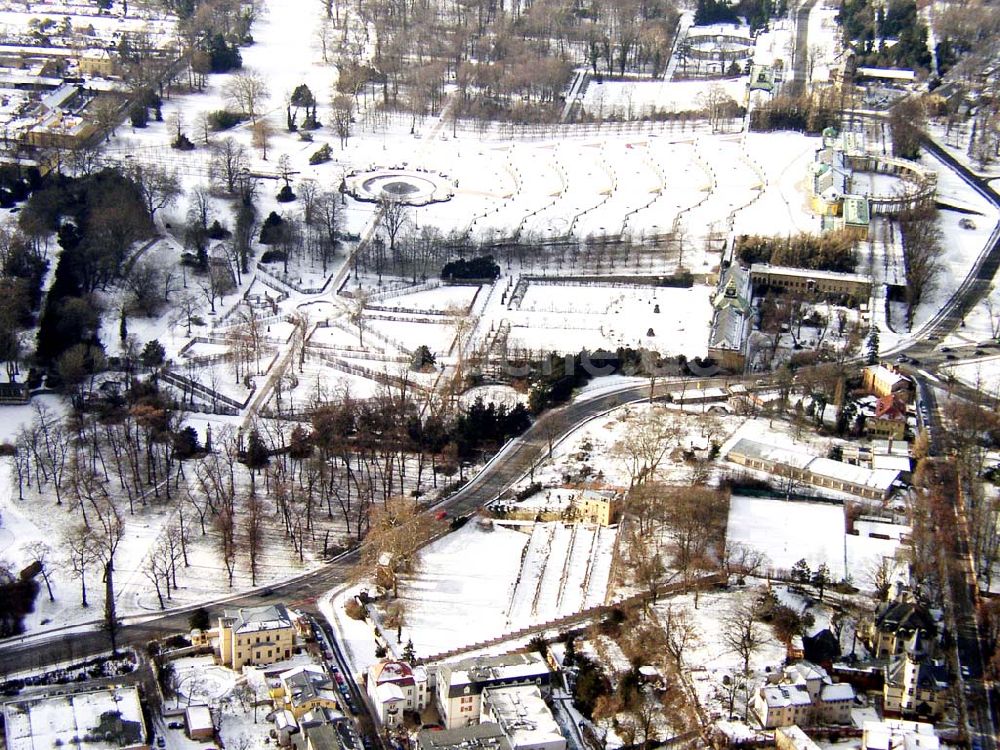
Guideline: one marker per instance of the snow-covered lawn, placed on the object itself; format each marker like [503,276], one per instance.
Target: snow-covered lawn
[980,372]
[788,531]
[476,584]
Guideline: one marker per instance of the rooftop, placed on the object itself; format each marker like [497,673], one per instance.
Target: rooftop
[253,619]
[767,268]
[896,734]
[783,696]
[880,479]
[522,713]
[486,736]
[488,668]
[103,719]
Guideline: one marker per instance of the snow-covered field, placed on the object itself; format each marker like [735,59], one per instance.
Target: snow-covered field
[788,531]
[981,373]
[476,584]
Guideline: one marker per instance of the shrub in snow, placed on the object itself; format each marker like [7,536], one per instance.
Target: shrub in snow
[322,154]
[285,195]
[271,230]
[138,116]
[182,143]
[273,256]
[223,119]
[218,232]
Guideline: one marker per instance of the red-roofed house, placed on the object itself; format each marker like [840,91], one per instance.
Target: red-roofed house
[890,417]
[394,687]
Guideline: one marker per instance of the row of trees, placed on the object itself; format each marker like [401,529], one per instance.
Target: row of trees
[509,61]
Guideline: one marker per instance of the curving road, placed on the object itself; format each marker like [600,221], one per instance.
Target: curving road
[512,463]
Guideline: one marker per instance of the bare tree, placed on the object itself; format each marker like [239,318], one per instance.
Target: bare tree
[229,163]
[157,186]
[343,112]
[41,553]
[248,92]
[742,632]
[81,554]
[262,137]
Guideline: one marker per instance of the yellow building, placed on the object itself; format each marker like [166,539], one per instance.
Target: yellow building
[885,380]
[603,507]
[304,689]
[255,635]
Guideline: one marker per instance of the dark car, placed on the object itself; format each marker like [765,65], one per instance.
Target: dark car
[175,725]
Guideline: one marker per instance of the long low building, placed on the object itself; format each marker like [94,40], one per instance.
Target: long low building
[808,281]
[875,484]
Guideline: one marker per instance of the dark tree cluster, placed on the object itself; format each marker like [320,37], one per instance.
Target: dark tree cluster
[892,35]
[97,219]
[831,251]
[809,113]
[756,12]
[17,599]
[482,425]
[484,267]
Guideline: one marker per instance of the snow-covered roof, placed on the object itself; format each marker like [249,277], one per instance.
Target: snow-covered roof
[522,713]
[398,672]
[885,375]
[285,719]
[488,670]
[879,479]
[112,718]
[889,74]
[805,671]
[388,692]
[773,453]
[890,448]
[892,463]
[198,717]
[798,739]
[485,736]
[255,619]
[839,691]
[784,696]
[898,734]
[807,273]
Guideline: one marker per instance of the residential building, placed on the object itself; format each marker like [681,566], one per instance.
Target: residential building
[889,418]
[914,686]
[803,694]
[798,466]
[304,689]
[896,734]
[110,718]
[524,717]
[325,729]
[319,737]
[884,380]
[394,687]
[198,723]
[460,684]
[793,738]
[255,635]
[487,736]
[900,625]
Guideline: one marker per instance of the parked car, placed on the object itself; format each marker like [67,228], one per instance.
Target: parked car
[175,725]
[160,742]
